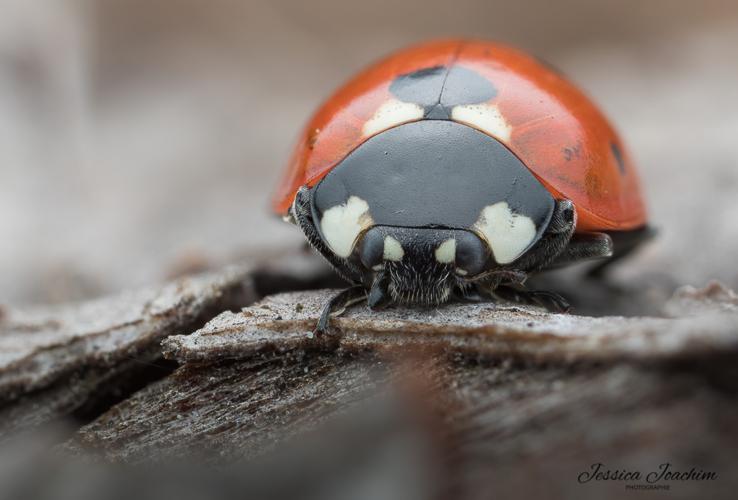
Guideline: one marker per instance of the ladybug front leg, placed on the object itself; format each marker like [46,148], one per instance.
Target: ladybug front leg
[379,295]
[338,304]
[584,246]
[623,244]
[551,301]
[512,291]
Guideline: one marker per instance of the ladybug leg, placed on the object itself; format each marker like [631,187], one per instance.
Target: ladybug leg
[483,286]
[303,216]
[338,304]
[495,277]
[511,292]
[615,245]
[379,297]
[585,246]
[549,300]
[623,244]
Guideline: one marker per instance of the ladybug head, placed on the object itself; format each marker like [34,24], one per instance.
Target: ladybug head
[424,208]
[419,265]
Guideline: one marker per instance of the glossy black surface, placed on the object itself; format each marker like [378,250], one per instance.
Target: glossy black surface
[440,88]
[433,173]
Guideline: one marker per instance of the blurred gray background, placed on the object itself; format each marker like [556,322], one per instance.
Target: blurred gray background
[139,139]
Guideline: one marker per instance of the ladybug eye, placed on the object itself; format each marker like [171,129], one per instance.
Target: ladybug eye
[471,254]
[371,250]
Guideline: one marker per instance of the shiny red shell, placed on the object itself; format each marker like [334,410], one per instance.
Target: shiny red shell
[557,132]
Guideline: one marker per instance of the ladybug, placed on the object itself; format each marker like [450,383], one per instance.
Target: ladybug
[454,170]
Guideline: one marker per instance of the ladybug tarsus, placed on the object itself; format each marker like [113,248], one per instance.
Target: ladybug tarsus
[337,305]
[378,296]
[551,301]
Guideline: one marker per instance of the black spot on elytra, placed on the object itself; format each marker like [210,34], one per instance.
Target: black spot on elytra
[465,86]
[438,89]
[421,87]
[618,154]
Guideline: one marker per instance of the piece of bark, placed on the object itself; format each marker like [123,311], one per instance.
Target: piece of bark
[263,423]
[255,387]
[243,408]
[486,429]
[77,358]
[285,321]
[488,423]
[80,358]
[39,346]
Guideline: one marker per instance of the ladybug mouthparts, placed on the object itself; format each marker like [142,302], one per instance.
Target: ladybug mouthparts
[419,266]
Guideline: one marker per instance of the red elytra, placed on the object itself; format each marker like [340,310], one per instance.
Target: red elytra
[554,129]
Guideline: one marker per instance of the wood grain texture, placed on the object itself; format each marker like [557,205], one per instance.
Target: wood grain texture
[699,322]
[255,392]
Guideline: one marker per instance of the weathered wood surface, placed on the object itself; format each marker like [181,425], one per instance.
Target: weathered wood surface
[52,360]
[76,359]
[702,321]
[498,400]
[39,346]
[462,401]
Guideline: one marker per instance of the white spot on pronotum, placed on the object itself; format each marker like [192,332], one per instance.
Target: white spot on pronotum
[462,272]
[485,117]
[392,249]
[341,225]
[390,114]
[446,251]
[508,234]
